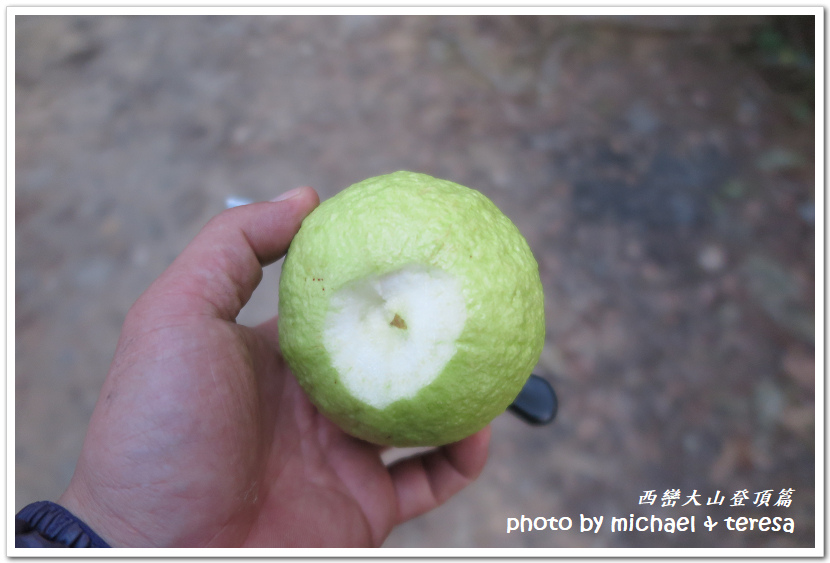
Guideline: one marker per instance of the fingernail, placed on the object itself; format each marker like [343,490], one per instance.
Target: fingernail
[289,194]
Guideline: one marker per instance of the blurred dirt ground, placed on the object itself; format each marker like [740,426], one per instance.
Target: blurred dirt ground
[661,168]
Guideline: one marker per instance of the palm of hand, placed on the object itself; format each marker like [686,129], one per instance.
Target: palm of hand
[262,468]
[202,436]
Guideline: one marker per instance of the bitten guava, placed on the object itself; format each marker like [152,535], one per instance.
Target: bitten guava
[411,310]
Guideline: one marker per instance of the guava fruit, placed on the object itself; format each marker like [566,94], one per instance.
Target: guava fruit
[410,310]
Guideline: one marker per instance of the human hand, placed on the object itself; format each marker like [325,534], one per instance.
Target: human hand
[202,437]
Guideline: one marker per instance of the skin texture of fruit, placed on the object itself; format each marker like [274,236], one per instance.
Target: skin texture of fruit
[411,310]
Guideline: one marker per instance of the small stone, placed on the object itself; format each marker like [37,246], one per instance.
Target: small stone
[712,258]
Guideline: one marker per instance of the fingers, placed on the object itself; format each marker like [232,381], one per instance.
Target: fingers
[425,482]
[217,272]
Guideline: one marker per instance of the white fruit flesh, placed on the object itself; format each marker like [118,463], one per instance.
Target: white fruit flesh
[390,336]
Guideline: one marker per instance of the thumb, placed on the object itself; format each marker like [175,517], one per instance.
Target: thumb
[218,271]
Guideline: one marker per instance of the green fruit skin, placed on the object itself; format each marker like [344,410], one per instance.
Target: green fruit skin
[378,226]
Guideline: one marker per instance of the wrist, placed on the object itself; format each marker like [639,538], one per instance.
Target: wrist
[107,514]
[93,517]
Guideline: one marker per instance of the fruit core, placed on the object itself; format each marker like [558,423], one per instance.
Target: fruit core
[398,322]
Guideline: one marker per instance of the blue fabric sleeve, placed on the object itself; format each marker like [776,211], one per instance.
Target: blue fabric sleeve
[46,524]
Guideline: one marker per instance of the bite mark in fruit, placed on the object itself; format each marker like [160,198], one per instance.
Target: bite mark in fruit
[378,361]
